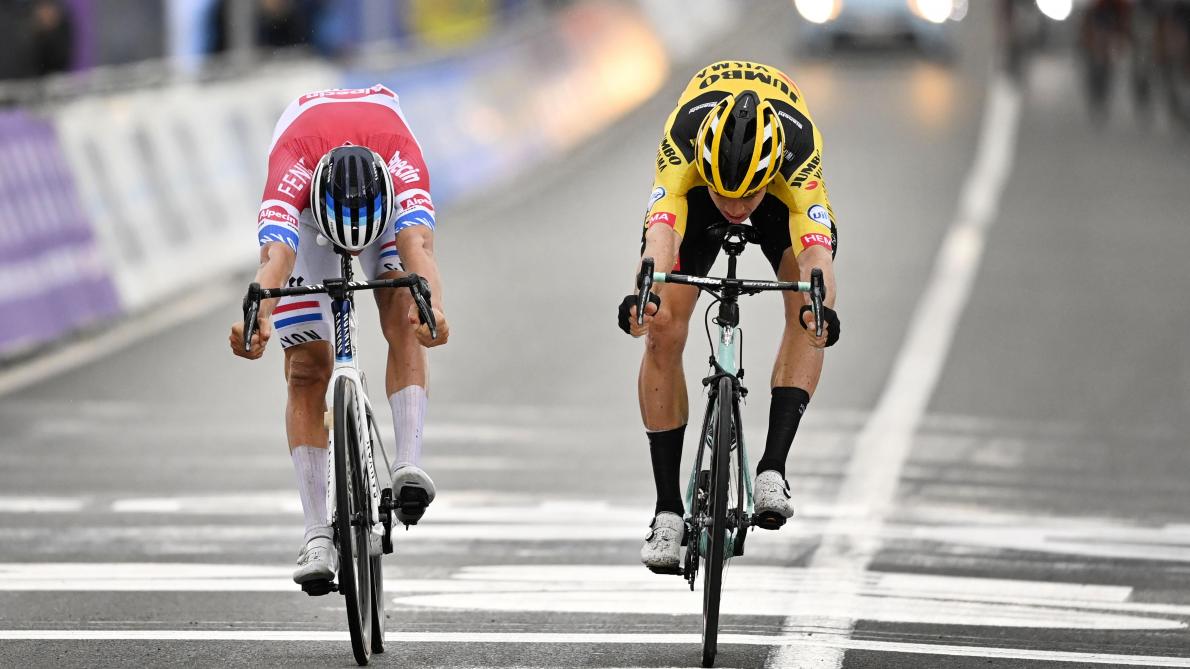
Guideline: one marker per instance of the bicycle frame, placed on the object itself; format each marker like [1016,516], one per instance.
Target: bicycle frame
[346,365]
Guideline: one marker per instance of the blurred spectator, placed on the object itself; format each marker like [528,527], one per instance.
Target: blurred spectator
[37,36]
[279,23]
[52,37]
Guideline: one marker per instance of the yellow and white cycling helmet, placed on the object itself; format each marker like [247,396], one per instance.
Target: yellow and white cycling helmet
[740,144]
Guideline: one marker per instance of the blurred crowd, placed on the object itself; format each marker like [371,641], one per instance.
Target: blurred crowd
[43,37]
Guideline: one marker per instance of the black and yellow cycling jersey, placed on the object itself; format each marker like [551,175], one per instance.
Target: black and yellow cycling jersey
[797,194]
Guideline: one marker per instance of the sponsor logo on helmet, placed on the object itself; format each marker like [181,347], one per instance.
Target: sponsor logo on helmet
[819,215]
[296,179]
[662,217]
[816,239]
[658,193]
[402,169]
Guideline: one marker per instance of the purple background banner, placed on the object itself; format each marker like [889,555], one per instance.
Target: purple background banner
[52,275]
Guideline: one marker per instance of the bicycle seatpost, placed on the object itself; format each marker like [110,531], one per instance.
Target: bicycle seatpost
[644,282]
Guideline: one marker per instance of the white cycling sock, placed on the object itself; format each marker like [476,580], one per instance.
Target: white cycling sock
[309,463]
[409,417]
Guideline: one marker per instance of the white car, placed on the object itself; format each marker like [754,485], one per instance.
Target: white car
[834,22]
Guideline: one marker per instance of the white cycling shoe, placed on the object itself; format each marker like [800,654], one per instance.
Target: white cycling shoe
[414,490]
[318,561]
[662,550]
[773,502]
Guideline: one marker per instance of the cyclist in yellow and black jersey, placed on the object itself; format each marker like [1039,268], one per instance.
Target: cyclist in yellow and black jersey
[740,146]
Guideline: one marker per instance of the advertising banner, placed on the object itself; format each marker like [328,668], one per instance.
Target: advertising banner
[52,277]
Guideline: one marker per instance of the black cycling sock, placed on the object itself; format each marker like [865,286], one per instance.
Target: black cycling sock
[665,449]
[785,413]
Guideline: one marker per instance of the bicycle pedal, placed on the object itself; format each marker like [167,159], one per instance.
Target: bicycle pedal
[670,571]
[769,521]
[319,587]
[411,505]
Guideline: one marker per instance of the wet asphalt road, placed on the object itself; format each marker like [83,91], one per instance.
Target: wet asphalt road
[1041,517]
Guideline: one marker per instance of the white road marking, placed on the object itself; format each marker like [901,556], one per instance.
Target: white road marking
[768,591]
[600,638]
[200,301]
[883,445]
[20,504]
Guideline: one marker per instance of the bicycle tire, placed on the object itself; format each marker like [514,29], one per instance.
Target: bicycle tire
[352,525]
[377,605]
[712,584]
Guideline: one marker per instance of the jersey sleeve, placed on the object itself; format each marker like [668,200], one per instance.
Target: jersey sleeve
[286,194]
[811,218]
[674,177]
[411,183]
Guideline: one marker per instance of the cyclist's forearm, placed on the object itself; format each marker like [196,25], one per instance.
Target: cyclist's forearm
[661,244]
[820,258]
[416,249]
[276,265]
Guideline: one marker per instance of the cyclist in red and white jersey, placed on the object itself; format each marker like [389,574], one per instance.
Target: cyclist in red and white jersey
[345,172]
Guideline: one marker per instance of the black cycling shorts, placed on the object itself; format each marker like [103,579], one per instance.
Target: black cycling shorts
[699,249]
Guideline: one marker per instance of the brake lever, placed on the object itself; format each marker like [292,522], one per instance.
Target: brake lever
[644,282]
[421,297]
[251,311]
[817,296]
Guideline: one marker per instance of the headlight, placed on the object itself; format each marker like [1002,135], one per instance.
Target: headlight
[1057,10]
[818,11]
[934,11]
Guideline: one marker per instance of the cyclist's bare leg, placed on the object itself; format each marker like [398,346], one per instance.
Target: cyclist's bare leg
[664,408]
[795,378]
[798,363]
[662,382]
[405,379]
[307,373]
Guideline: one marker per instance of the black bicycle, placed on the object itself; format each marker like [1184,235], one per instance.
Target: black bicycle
[719,494]
[359,510]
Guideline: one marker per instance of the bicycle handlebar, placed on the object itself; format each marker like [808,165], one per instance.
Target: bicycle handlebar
[816,287]
[418,287]
[744,286]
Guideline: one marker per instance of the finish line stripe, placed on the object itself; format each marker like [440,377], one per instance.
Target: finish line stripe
[594,638]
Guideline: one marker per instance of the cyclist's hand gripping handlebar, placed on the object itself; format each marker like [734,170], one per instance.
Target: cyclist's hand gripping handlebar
[644,282]
[421,297]
[251,310]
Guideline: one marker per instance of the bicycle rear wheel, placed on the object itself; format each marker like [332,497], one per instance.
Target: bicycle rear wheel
[717,534]
[352,522]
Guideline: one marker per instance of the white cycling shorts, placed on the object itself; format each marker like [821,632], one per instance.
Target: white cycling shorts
[307,318]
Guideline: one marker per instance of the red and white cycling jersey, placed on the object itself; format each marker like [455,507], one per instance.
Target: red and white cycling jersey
[317,122]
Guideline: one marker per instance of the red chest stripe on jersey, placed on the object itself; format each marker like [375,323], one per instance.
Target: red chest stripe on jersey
[664,218]
[816,239]
[386,245]
[293,306]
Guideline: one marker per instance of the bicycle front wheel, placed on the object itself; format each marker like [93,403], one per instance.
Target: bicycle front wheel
[352,522]
[716,531]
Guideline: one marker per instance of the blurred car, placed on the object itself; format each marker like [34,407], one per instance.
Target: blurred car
[926,23]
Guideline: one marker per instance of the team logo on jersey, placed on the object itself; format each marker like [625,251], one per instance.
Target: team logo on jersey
[402,169]
[820,215]
[658,193]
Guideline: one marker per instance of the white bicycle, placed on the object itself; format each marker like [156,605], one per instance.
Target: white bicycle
[360,512]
